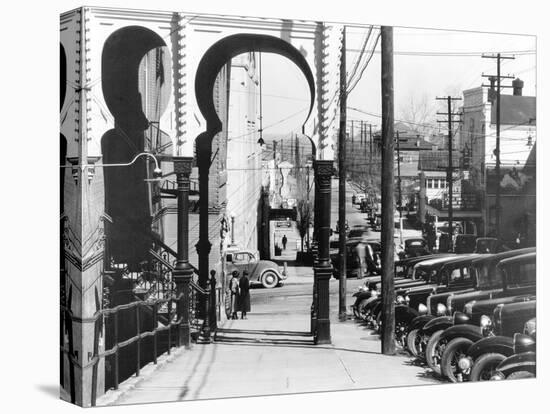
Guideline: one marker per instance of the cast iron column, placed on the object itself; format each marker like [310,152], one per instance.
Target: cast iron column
[204,152]
[315,250]
[322,268]
[183,272]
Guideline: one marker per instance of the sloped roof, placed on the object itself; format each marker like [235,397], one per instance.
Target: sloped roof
[436,160]
[516,110]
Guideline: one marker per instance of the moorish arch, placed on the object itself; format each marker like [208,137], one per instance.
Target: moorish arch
[209,66]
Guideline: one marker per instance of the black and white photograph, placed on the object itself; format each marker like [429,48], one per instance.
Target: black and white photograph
[245,191]
[255,203]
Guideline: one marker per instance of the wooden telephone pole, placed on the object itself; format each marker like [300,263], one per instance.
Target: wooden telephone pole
[342,184]
[498,77]
[450,122]
[388,293]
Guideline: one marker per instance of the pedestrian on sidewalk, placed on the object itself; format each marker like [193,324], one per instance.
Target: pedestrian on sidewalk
[284,241]
[244,295]
[234,288]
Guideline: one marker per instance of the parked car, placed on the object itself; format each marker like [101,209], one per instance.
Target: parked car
[358,232]
[518,277]
[482,357]
[475,353]
[465,243]
[414,247]
[265,272]
[523,362]
[485,283]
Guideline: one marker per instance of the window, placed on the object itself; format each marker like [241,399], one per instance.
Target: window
[429,183]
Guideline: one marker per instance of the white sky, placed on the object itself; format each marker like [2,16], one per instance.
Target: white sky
[285,91]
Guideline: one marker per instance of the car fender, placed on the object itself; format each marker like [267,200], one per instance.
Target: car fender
[377,306]
[262,266]
[492,344]
[439,323]
[362,295]
[419,321]
[404,314]
[526,361]
[372,303]
[471,332]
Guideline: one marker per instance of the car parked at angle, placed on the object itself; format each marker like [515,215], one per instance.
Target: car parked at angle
[523,362]
[481,359]
[265,272]
[441,305]
[414,247]
[518,284]
[424,274]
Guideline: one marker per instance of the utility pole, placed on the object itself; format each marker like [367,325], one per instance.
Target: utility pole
[297,163]
[388,293]
[399,206]
[450,122]
[342,184]
[370,153]
[498,57]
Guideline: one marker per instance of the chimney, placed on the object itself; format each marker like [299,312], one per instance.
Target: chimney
[517,84]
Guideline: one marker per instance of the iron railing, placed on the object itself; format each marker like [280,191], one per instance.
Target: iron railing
[157,307]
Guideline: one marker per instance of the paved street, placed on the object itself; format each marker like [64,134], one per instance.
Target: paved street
[272,353]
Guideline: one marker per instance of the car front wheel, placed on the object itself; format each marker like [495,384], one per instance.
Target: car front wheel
[485,366]
[434,349]
[270,279]
[413,342]
[454,350]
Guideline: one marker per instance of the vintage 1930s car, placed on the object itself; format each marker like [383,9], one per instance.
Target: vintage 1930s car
[265,272]
[441,305]
[518,277]
[523,362]
[475,354]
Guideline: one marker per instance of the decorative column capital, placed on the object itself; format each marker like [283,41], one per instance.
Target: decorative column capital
[183,165]
[323,168]
[203,246]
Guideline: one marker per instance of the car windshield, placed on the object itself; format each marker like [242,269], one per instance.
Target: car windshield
[487,276]
[427,273]
[520,274]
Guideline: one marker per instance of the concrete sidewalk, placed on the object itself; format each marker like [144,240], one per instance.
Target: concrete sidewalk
[270,354]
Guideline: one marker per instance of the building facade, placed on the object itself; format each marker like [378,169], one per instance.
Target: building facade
[517,158]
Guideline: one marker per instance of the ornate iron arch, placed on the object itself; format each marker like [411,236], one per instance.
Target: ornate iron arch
[225,49]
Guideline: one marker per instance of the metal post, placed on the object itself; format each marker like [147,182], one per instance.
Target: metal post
[388,307]
[450,172]
[183,272]
[322,268]
[399,195]
[206,323]
[342,185]
[213,318]
[115,315]
[204,152]
[497,150]
[155,339]
[138,342]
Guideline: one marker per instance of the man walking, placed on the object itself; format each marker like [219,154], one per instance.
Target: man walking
[285,240]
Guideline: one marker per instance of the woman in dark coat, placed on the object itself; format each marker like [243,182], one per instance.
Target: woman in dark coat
[244,295]
[235,294]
